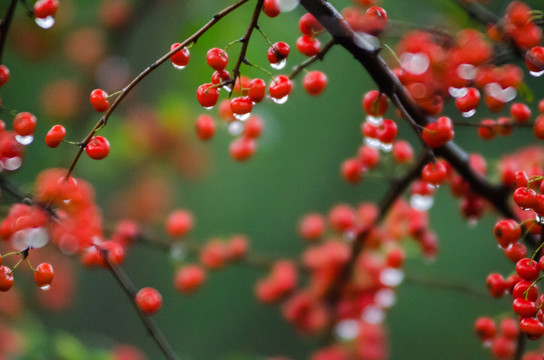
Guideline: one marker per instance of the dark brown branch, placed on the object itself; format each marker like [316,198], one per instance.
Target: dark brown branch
[478,12]
[4,26]
[297,69]
[460,288]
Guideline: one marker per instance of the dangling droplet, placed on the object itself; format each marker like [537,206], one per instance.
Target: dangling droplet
[283,100]
[469,113]
[347,329]
[386,147]
[24,140]
[45,23]
[421,202]
[385,298]
[373,315]
[374,120]
[235,128]
[179,67]
[45,287]
[391,277]
[279,65]
[372,142]
[457,92]
[242,117]
[288,5]
[11,164]
[536,73]
[208,107]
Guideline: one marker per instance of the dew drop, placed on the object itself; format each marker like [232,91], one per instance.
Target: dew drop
[235,128]
[288,5]
[536,73]
[242,117]
[457,92]
[283,100]
[279,65]
[373,143]
[45,23]
[374,120]
[227,88]
[37,237]
[472,222]
[539,219]
[11,164]
[208,107]
[178,251]
[415,64]
[385,298]
[386,147]
[469,113]
[421,202]
[373,315]
[349,235]
[466,71]
[45,287]
[179,67]
[347,330]
[24,140]
[391,277]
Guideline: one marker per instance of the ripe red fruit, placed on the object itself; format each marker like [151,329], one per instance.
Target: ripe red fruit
[24,123]
[538,127]
[524,308]
[402,152]
[311,226]
[205,127]
[525,288]
[241,105]
[506,232]
[375,103]
[516,251]
[237,247]
[6,278]
[280,87]
[43,276]
[525,198]
[520,112]
[99,100]
[45,8]
[485,327]
[352,170]
[374,20]
[4,75]
[342,217]
[180,58]
[438,133]
[387,131]
[148,300]
[277,52]
[503,348]
[488,129]
[179,223]
[217,58]
[528,269]
[214,254]
[314,82]
[469,101]
[534,59]
[532,327]
[253,127]
[98,147]
[308,45]
[220,76]
[309,25]
[496,285]
[271,8]
[189,278]
[257,90]
[434,173]
[54,137]
[242,148]
[207,95]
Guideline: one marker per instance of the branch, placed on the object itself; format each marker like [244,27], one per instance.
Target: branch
[192,39]
[297,69]
[4,26]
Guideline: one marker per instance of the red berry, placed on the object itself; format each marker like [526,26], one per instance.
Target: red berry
[309,25]
[525,289]
[311,226]
[114,251]
[271,8]
[43,276]
[509,328]
[525,198]
[257,90]
[434,173]
[54,137]
[45,8]
[24,123]
[189,278]
[214,254]
[438,133]
[6,278]
[99,100]
[314,82]
[280,87]
[217,58]
[148,300]
[207,95]
[520,112]
[98,147]
[469,101]
[374,20]
[242,148]
[534,59]
[342,217]
[402,152]
[528,269]
[308,45]
[515,252]
[205,127]
[387,131]
[506,232]
[277,52]
[368,156]
[532,327]
[181,57]
[496,285]
[487,130]
[4,75]
[253,127]
[524,308]
[374,106]
[179,223]
[352,170]
[220,76]
[485,327]
[538,127]
[241,105]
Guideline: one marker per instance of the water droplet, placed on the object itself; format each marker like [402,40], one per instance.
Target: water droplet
[288,5]
[208,108]
[347,330]
[385,298]
[415,64]
[539,219]
[469,113]
[242,117]
[421,202]
[466,71]
[536,73]
[373,315]
[373,143]
[472,222]
[37,237]
[178,251]
[279,65]
[24,140]
[45,23]
[457,92]
[227,88]
[179,67]
[391,277]
[235,128]
[505,95]
[349,235]
[386,147]
[283,100]
[45,287]
[374,120]
[11,164]
[366,41]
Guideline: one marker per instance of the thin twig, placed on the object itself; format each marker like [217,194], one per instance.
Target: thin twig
[319,56]
[4,26]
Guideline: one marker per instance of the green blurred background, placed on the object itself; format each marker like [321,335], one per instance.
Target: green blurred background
[294,171]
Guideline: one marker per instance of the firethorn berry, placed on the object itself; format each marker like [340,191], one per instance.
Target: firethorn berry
[311,226]
[496,285]
[368,156]
[241,105]
[314,82]
[4,75]
[98,147]
[253,127]
[521,179]
[373,105]
[525,288]
[438,133]
[99,100]
[387,131]
[516,251]
[434,173]
[504,126]
[538,127]
[520,112]
[503,348]
[342,217]
[352,170]
[181,58]
[6,278]
[280,87]
[485,327]
[525,308]
[308,45]
[189,278]
[207,95]
[54,137]
[509,328]
[43,276]
[271,8]
[148,300]
[507,231]
[220,76]
[45,8]
[402,152]
[487,129]
[277,52]
[257,90]
[525,198]
[114,252]
[469,101]
[532,327]
[309,25]
[534,59]
[214,254]
[375,20]
[528,269]
[179,223]
[242,148]
[217,58]
[205,127]
[395,258]
[24,123]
